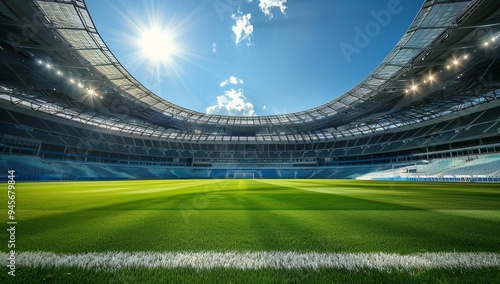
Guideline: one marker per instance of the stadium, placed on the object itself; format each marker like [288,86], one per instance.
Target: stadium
[403,168]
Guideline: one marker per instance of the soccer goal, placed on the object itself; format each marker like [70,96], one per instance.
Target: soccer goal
[242,175]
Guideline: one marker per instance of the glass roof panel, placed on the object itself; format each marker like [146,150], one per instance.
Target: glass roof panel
[61,15]
[72,23]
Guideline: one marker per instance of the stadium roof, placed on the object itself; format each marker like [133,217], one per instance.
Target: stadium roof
[63,67]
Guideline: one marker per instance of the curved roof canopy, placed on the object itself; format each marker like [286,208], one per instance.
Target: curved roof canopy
[441,30]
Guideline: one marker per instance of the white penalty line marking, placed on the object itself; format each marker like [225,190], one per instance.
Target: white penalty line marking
[258,260]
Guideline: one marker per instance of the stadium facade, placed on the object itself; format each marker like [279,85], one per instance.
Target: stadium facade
[429,111]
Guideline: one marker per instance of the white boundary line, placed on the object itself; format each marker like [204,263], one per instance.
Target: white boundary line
[259,260]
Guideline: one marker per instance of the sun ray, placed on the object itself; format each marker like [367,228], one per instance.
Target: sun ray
[160,47]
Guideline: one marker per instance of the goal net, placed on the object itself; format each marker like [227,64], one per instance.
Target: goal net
[244,175]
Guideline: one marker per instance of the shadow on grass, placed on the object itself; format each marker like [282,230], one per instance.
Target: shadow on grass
[275,219]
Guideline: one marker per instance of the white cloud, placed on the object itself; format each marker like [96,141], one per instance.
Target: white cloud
[232,80]
[243,28]
[266,6]
[233,102]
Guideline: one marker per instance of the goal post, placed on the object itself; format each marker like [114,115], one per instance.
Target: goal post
[244,175]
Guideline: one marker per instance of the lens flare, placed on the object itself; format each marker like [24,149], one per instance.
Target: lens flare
[157,44]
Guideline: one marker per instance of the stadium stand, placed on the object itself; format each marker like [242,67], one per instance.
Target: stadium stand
[475,168]
[375,130]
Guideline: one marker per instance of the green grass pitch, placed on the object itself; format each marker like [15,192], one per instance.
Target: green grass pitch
[254,215]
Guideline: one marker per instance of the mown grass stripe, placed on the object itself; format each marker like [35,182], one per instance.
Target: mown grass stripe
[259,260]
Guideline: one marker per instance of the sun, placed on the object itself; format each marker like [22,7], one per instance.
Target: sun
[158,44]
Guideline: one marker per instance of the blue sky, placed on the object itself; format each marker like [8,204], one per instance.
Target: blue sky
[251,57]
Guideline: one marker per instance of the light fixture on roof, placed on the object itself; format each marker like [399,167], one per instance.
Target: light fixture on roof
[430,78]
